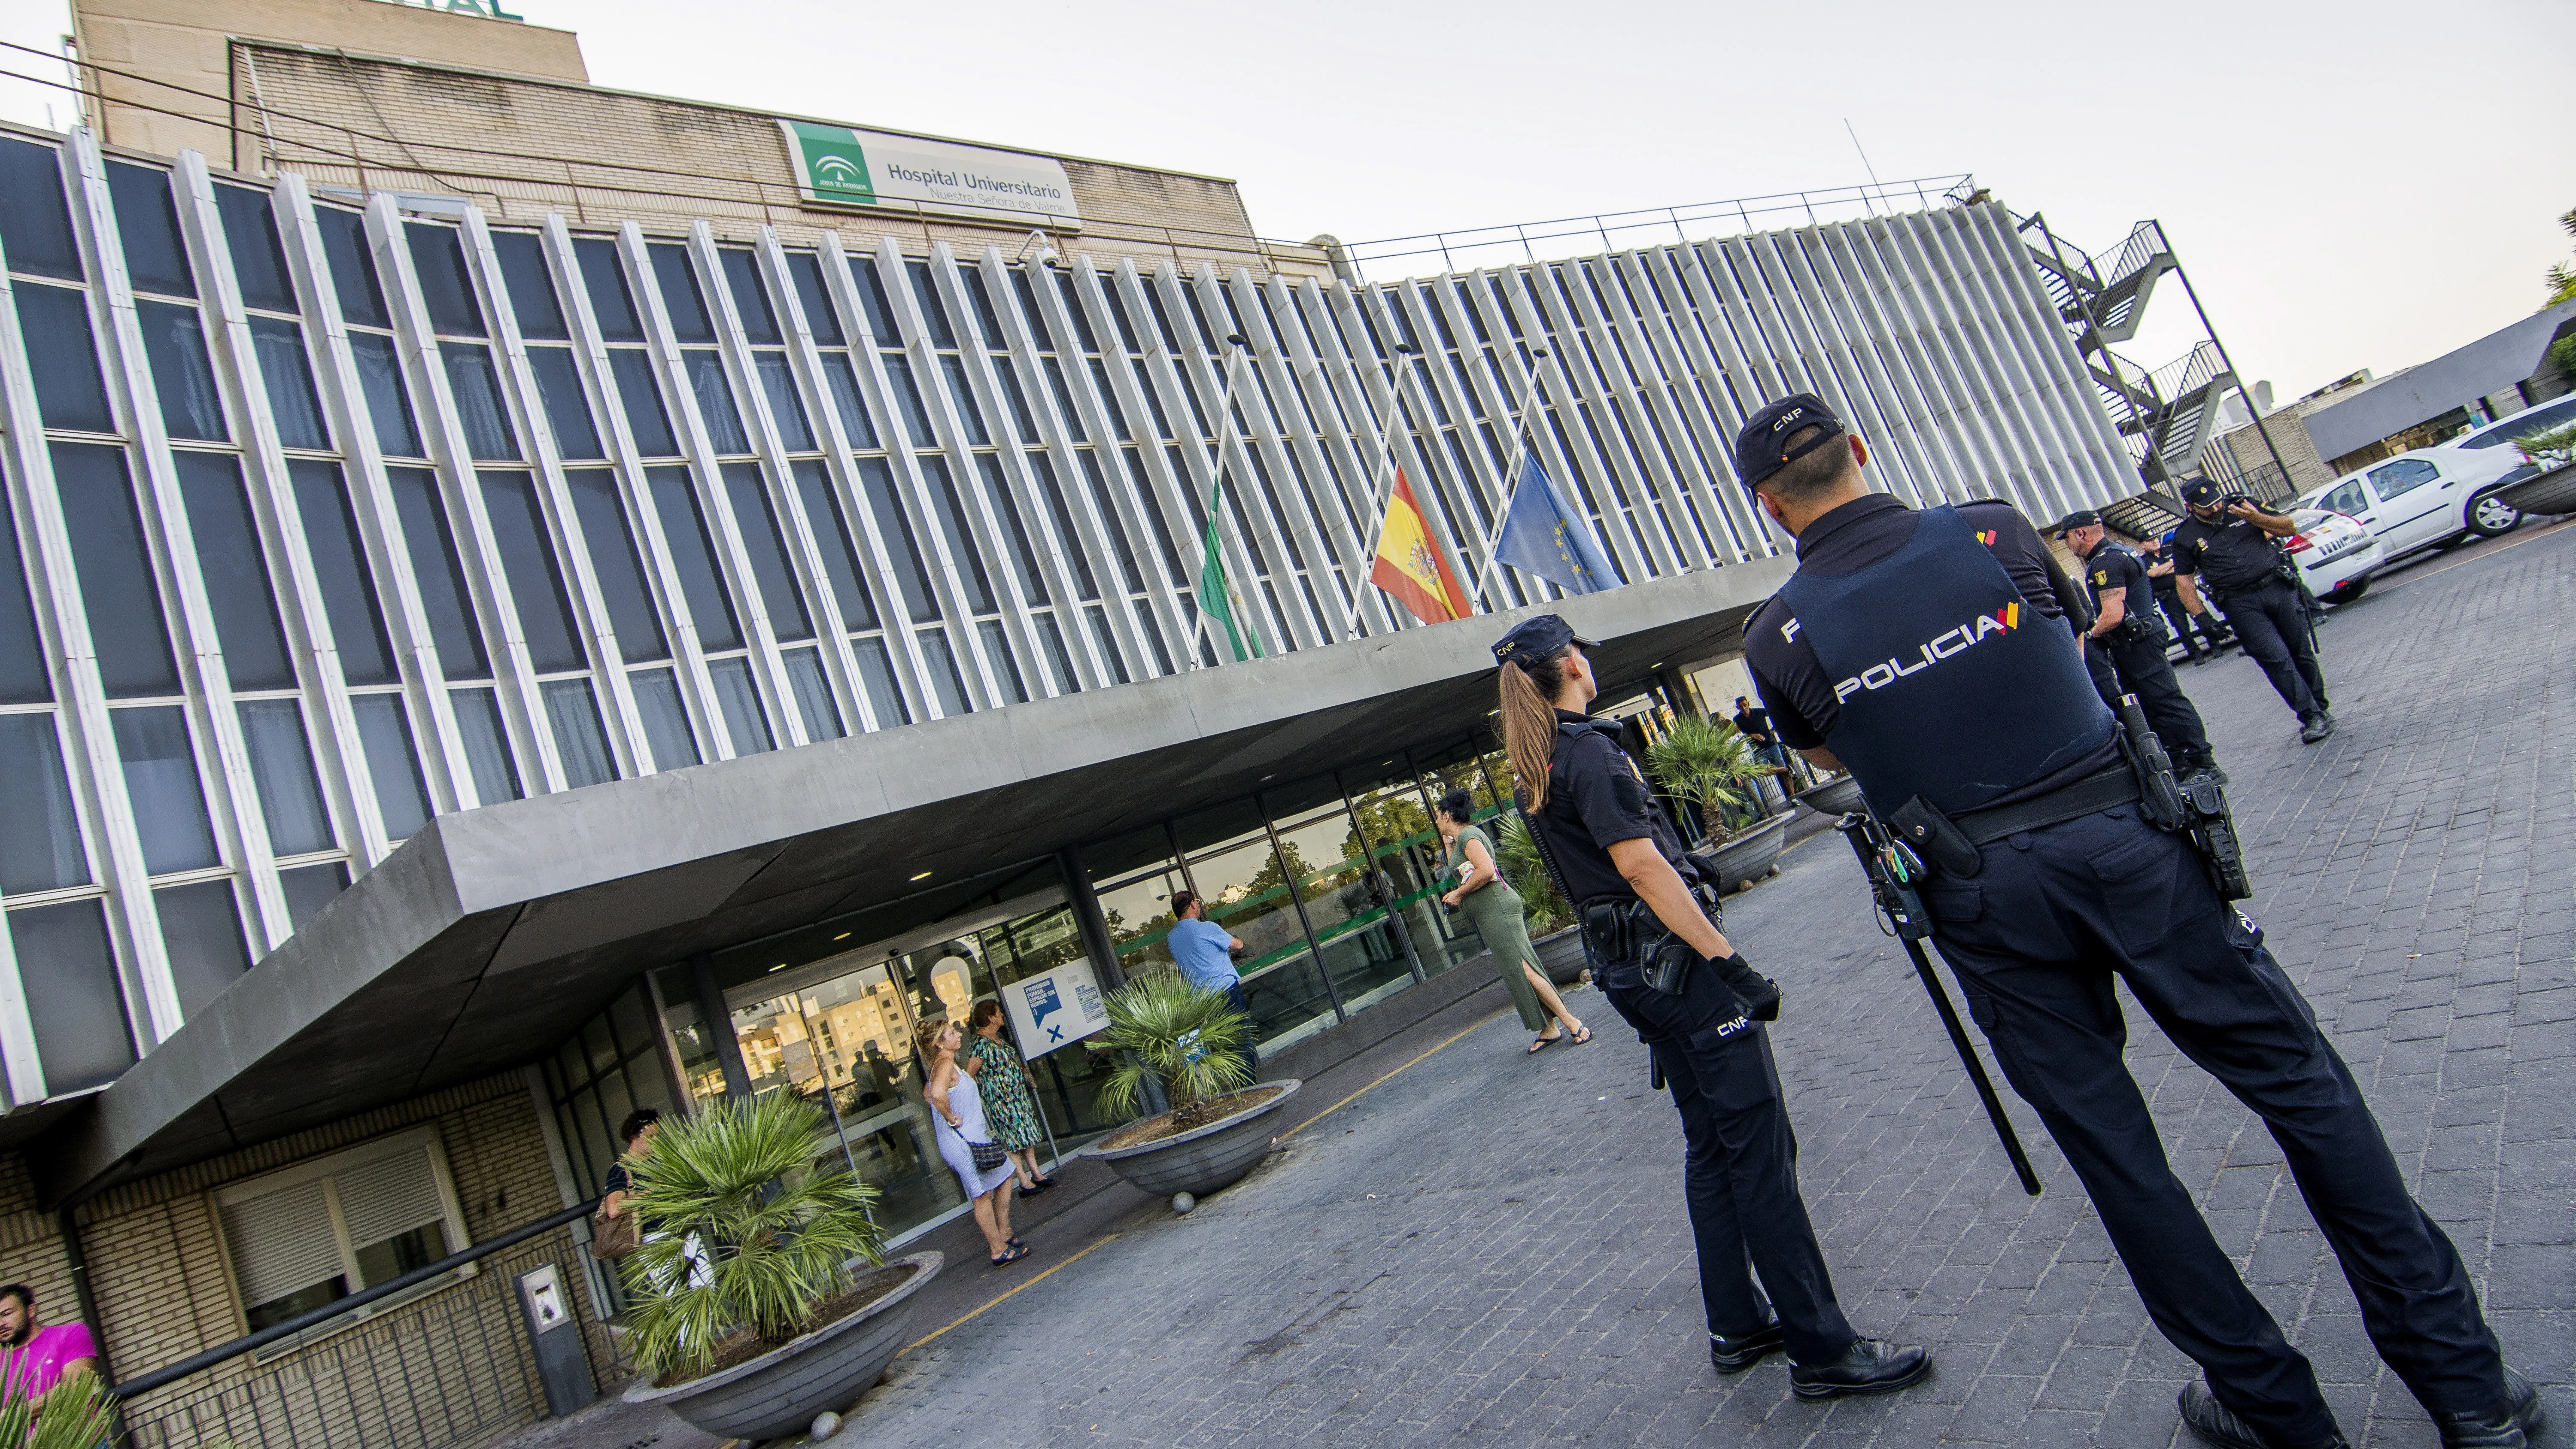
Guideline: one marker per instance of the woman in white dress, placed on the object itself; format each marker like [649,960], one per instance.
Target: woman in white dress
[958,1113]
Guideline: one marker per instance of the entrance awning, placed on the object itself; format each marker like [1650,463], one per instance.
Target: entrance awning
[491,935]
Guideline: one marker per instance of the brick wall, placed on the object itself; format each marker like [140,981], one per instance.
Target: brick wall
[164,1291]
[522,148]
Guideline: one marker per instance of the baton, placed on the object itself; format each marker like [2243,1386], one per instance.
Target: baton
[1904,912]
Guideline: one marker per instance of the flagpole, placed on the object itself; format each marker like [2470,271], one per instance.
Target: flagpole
[1236,348]
[1539,363]
[1384,495]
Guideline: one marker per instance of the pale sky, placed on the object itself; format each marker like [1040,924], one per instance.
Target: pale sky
[2361,185]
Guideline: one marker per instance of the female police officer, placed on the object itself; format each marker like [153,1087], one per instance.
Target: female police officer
[1669,971]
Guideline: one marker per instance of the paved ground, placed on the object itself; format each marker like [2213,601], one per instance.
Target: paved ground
[1491,1249]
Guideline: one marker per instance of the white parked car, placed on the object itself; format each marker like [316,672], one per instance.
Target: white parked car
[2486,455]
[2430,496]
[2335,555]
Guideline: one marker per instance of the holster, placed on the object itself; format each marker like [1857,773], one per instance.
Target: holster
[1936,839]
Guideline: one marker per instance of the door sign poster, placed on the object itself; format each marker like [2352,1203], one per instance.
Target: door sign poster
[1055,1008]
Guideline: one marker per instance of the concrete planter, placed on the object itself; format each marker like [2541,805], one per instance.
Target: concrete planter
[780,1392]
[1834,800]
[1561,955]
[2553,491]
[1750,856]
[1204,1159]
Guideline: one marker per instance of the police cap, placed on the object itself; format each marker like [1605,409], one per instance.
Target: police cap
[1532,640]
[2199,492]
[1761,445]
[2080,518]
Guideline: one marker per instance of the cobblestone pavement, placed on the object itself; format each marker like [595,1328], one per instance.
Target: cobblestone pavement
[1492,1249]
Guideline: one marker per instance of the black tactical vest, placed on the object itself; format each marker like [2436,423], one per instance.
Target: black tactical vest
[1950,685]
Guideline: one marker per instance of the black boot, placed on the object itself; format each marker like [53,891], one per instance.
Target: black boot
[2513,1424]
[1735,1355]
[2214,1423]
[1871,1367]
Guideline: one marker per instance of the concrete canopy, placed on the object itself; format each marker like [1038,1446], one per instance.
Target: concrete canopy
[2484,368]
[491,935]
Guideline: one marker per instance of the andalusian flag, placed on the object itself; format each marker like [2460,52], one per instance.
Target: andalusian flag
[1220,603]
[1410,566]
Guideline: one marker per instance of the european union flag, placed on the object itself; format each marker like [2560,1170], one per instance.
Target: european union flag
[1544,534]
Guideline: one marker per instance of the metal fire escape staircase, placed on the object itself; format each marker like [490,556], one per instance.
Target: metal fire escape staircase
[2168,416]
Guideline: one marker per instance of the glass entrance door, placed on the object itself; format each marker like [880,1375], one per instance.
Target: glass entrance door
[839,1032]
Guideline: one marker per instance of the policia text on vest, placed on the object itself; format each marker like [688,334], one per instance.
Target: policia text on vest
[2059,908]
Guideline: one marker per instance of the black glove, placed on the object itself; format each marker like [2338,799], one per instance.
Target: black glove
[1759,993]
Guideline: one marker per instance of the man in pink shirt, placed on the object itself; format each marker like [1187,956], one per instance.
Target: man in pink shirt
[34,1358]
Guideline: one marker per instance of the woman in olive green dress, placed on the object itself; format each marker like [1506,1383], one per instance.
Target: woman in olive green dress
[1495,907]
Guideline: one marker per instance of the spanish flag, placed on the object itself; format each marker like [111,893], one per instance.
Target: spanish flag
[1410,565]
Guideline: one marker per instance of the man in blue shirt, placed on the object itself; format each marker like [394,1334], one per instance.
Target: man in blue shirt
[1205,953]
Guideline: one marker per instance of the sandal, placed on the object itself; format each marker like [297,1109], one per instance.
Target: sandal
[1013,1256]
[1543,1043]
[1017,1242]
[1582,1034]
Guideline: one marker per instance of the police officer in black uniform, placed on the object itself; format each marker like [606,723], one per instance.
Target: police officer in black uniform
[1651,923]
[2203,636]
[2131,638]
[2228,543]
[1902,651]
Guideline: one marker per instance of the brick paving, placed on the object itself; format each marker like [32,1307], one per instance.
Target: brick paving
[1490,1249]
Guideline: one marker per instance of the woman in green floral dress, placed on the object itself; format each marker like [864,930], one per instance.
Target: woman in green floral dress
[1009,1105]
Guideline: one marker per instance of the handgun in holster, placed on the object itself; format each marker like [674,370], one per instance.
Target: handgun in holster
[2196,807]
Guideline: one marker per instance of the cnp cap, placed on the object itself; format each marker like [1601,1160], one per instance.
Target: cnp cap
[2080,518]
[1761,445]
[1535,639]
[2199,491]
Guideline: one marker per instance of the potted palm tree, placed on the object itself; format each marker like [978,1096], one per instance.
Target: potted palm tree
[1551,920]
[1706,763]
[761,1295]
[1198,1047]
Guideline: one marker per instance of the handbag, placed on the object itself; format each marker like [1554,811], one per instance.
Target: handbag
[986,1155]
[612,1238]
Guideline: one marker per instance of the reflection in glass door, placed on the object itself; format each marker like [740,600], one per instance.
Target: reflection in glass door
[1329,862]
[1248,893]
[839,1031]
[845,1043]
[1409,851]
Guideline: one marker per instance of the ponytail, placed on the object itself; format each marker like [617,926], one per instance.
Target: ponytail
[1529,722]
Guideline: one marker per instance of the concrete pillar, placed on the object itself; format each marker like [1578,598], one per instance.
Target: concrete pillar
[702,967]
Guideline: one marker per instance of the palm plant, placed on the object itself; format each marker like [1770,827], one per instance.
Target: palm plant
[1542,905]
[736,1188]
[2554,446]
[76,1414]
[1191,1041]
[1706,763]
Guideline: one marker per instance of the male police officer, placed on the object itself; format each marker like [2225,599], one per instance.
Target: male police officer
[2228,542]
[2129,634]
[1901,650]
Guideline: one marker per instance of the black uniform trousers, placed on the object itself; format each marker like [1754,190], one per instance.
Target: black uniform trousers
[1740,1162]
[2272,623]
[2145,672]
[2036,940]
[2205,627]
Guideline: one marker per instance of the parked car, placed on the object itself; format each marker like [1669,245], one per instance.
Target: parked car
[2335,555]
[2424,498]
[2486,455]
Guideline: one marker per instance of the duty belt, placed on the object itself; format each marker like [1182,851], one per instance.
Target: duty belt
[2115,786]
